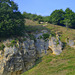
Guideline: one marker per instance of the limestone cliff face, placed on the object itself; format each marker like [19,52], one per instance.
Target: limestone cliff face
[22,56]
[18,59]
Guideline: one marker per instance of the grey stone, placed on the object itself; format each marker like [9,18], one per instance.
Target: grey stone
[10,51]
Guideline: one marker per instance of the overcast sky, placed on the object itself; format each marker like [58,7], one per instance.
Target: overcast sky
[44,7]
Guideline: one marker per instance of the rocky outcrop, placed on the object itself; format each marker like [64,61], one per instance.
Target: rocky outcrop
[18,59]
[55,45]
[43,44]
[21,56]
[70,42]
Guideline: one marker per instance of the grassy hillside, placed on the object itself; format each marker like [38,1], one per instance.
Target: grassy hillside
[63,64]
[34,26]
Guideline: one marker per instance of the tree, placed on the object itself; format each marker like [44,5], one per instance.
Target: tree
[64,18]
[33,17]
[67,23]
[69,18]
[46,18]
[11,20]
[57,17]
[25,14]
[40,18]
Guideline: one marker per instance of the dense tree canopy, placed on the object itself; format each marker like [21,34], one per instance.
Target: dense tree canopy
[69,18]
[57,17]
[33,17]
[61,17]
[11,20]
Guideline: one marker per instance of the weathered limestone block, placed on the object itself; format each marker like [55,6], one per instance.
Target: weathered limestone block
[40,46]
[1,53]
[55,45]
[10,51]
[31,45]
[71,43]
[44,31]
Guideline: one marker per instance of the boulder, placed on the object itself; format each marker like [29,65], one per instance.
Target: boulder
[71,43]
[10,51]
[55,45]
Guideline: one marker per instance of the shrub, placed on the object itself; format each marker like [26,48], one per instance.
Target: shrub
[45,36]
[13,41]
[32,37]
[57,42]
[16,39]
[2,47]
[50,36]
[40,37]
[11,20]
[53,34]
[24,39]
[9,45]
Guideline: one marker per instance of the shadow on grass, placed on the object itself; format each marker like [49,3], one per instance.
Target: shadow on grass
[37,62]
[64,45]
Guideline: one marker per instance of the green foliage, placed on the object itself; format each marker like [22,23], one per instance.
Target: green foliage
[40,37]
[31,36]
[2,46]
[57,16]
[11,20]
[9,45]
[69,20]
[50,36]
[24,39]
[67,39]
[59,37]
[64,18]
[16,39]
[45,36]
[53,34]
[67,23]
[30,29]
[33,17]
[46,18]
[13,41]
[57,42]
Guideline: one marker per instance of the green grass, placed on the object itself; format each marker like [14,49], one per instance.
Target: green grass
[63,64]
[34,26]
[12,43]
